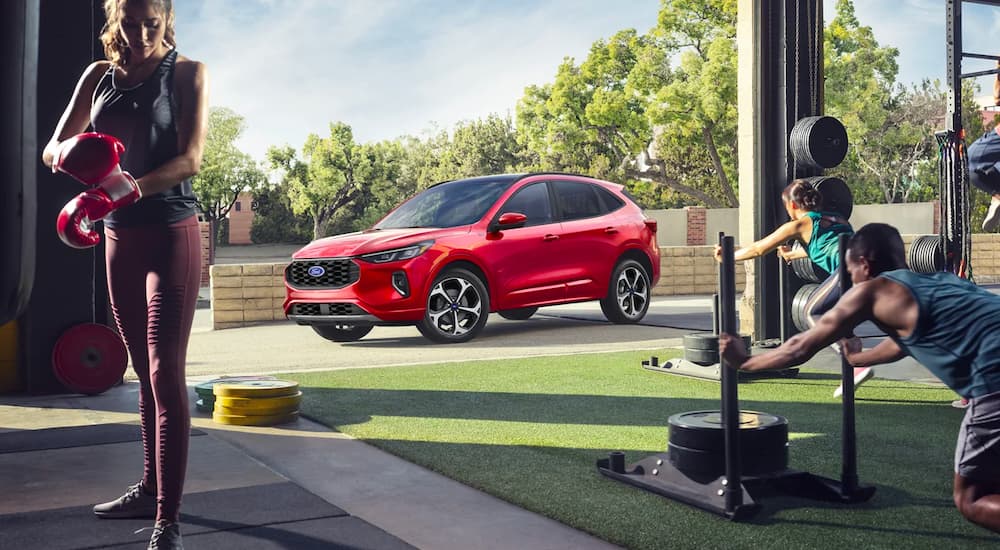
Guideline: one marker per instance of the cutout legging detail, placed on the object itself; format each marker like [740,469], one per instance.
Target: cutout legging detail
[153,278]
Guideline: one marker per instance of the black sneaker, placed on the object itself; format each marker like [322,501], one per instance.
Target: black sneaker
[135,503]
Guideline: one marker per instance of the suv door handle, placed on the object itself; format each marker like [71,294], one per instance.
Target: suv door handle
[550,237]
[610,230]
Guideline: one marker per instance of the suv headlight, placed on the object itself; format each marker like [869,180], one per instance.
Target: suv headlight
[397,254]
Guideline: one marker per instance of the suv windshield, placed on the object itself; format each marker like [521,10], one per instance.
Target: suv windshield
[447,204]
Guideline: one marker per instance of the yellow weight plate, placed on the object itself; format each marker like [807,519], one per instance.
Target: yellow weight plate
[256,388]
[254,403]
[259,420]
[276,410]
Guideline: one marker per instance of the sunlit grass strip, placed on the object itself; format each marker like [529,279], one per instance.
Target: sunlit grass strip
[530,431]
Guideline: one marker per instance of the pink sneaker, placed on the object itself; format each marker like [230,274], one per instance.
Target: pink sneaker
[861,375]
[962,403]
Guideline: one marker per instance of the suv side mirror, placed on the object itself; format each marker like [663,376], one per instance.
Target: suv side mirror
[508,220]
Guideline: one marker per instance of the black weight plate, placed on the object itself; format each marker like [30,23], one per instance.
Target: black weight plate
[799,304]
[759,460]
[707,341]
[703,430]
[837,196]
[818,141]
[702,341]
[703,357]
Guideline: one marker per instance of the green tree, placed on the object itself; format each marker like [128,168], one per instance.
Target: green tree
[332,173]
[274,221]
[589,120]
[225,170]
[693,111]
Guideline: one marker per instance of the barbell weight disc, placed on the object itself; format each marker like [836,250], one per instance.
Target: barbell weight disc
[257,420]
[818,142]
[256,388]
[89,358]
[837,196]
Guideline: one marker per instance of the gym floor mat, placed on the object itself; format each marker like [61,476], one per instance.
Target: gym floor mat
[71,436]
[276,515]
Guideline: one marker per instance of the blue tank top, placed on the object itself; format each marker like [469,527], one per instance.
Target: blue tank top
[824,246]
[144,118]
[957,336]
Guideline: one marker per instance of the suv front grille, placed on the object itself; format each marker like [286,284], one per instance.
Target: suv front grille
[334,274]
[327,309]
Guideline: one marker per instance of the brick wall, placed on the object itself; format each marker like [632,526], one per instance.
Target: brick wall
[207,252]
[254,293]
[696,216]
[241,220]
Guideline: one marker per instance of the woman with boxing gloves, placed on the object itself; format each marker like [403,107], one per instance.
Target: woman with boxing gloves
[147,106]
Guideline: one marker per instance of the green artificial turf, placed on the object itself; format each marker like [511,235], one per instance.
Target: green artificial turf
[530,431]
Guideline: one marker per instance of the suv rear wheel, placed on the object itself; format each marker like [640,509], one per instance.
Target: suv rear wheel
[628,293]
[457,307]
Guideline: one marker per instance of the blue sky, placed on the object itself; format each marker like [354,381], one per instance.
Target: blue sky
[397,67]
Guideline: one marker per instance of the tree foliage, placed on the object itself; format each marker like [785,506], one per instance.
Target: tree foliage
[225,170]
[655,110]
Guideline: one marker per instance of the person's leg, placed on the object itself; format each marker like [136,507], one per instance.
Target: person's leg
[978,501]
[173,292]
[977,463]
[127,265]
[822,300]
[983,155]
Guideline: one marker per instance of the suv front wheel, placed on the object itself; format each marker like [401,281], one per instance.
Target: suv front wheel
[457,307]
[342,332]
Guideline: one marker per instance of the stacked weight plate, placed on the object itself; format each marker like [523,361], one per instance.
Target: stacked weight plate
[206,394]
[256,402]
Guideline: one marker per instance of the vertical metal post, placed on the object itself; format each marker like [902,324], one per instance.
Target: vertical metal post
[953,43]
[730,399]
[848,439]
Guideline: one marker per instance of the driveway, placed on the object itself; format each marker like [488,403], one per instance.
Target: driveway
[557,330]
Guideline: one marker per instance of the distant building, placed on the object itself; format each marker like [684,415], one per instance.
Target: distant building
[240,219]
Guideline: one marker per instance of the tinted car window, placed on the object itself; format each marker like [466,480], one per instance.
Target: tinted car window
[533,202]
[611,202]
[447,205]
[578,200]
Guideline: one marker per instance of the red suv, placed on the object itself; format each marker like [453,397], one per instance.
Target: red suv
[457,251]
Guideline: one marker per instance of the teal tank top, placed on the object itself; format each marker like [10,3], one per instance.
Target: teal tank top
[957,336]
[823,247]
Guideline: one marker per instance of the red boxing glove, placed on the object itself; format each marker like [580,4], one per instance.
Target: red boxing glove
[75,224]
[89,157]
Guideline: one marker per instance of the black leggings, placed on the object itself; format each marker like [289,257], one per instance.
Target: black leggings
[153,277]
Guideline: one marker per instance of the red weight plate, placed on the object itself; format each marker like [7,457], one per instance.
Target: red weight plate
[89,358]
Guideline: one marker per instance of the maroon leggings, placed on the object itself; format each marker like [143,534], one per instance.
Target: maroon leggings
[153,277]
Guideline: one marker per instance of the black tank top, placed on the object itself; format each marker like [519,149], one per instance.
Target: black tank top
[144,118]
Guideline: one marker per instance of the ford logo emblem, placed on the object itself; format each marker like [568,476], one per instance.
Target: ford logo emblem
[317,271]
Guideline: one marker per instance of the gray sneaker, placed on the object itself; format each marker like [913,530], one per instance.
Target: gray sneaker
[133,504]
[166,536]
[992,218]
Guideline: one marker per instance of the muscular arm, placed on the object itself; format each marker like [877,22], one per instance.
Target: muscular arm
[887,351]
[853,308]
[192,126]
[787,231]
[76,117]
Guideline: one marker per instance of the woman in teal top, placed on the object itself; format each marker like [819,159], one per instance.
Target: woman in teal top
[819,233]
